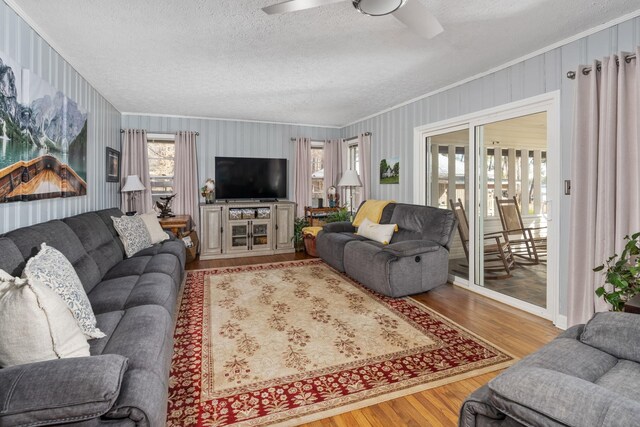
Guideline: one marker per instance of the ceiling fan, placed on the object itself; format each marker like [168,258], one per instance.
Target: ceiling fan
[412,13]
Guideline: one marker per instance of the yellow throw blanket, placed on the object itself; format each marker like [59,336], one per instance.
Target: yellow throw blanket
[311,230]
[371,209]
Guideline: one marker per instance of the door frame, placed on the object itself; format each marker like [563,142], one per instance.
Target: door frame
[549,103]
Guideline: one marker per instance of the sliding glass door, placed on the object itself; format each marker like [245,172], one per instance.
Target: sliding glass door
[488,165]
[448,184]
[512,226]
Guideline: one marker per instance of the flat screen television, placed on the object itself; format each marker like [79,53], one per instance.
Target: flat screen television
[250,178]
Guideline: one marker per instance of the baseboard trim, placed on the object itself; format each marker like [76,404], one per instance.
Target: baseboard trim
[561,322]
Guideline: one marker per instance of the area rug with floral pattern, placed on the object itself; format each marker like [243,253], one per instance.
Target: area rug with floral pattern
[287,343]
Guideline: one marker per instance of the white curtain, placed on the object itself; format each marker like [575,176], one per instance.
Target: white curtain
[185,181]
[302,181]
[364,148]
[605,200]
[135,161]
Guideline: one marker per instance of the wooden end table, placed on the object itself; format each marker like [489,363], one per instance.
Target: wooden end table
[318,213]
[633,305]
[175,224]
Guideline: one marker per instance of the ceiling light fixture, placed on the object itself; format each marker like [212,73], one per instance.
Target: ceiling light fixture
[378,7]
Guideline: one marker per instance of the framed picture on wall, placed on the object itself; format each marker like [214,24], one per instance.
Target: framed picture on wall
[390,170]
[113,165]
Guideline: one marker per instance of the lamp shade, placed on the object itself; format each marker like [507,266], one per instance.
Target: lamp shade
[350,178]
[132,183]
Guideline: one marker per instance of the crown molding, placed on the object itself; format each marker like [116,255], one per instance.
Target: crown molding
[176,116]
[22,14]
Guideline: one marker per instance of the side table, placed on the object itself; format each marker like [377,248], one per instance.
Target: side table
[311,214]
[176,224]
[633,305]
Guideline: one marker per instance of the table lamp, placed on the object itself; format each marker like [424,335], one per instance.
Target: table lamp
[350,179]
[132,185]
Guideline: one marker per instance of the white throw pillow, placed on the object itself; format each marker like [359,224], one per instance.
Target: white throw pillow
[35,324]
[133,233]
[379,232]
[52,269]
[156,232]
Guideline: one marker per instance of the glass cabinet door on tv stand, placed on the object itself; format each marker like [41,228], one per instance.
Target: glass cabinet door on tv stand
[260,238]
[239,236]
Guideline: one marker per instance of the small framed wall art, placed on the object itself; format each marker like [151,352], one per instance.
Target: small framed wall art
[390,170]
[113,165]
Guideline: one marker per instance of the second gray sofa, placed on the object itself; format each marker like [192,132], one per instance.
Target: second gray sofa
[416,259]
[588,376]
[125,380]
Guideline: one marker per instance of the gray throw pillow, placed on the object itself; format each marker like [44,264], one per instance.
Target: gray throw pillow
[133,232]
[615,333]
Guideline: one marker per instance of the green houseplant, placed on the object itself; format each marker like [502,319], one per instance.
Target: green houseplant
[621,274]
[298,224]
[341,215]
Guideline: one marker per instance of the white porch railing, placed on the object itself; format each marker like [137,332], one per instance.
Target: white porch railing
[520,173]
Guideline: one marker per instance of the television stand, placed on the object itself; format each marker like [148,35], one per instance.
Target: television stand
[249,228]
[268,200]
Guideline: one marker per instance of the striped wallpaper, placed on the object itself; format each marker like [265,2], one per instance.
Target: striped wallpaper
[26,47]
[234,138]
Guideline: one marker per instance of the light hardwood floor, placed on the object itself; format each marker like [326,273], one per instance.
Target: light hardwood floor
[513,330]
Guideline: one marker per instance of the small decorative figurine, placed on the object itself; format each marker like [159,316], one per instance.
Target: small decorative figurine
[165,208]
[333,196]
[209,190]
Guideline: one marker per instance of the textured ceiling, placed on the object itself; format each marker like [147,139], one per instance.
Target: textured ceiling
[324,66]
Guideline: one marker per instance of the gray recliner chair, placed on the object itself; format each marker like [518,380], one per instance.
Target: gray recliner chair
[588,376]
[416,260]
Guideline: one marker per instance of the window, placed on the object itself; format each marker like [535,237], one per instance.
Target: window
[317,172]
[161,154]
[354,157]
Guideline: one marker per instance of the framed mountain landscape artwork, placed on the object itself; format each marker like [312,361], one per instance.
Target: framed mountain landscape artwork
[43,138]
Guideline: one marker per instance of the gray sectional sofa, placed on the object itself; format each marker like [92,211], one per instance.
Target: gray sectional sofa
[125,380]
[415,260]
[588,376]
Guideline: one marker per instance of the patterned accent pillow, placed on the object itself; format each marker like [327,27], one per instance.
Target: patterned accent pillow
[52,269]
[35,324]
[133,233]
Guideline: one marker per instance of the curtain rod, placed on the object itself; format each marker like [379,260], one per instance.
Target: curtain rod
[348,139]
[163,132]
[572,74]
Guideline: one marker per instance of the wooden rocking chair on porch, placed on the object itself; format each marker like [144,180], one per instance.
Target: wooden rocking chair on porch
[497,253]
[527,243]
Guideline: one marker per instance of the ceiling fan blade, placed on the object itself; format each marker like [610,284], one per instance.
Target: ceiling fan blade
[417,17]
[295,5]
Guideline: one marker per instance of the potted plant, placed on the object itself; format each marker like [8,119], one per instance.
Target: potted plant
[339,216]
[298,239]
[622,280]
